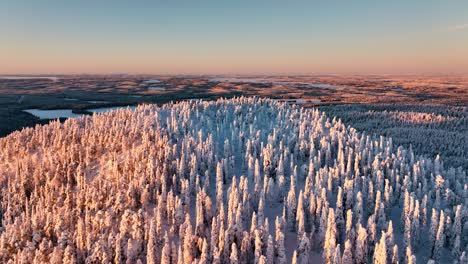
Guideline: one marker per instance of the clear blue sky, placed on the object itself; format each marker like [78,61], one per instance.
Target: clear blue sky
[101,36]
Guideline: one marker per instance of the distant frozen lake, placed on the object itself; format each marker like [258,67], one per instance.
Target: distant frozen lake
[51,114]
[97,102]
[299,101]
[397,89]
[151,81]
[67,113]
[324,86]
[239,80]
[156,88]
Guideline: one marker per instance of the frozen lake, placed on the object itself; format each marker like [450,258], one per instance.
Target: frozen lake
[151,81]
[324,86]
[397,89]
[240,80]
[299,101]
[156,88]
[97,102]
[67,113]
[51,114]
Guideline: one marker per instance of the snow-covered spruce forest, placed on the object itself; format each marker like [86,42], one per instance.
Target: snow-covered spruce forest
[244,180]
[428,130]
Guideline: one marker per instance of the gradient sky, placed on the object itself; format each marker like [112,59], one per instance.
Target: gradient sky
[236,36]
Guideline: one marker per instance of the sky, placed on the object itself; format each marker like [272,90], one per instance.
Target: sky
[241,36]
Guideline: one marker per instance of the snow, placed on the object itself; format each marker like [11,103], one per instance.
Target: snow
[51,114]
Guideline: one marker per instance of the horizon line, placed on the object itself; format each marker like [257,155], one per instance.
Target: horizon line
[233,73]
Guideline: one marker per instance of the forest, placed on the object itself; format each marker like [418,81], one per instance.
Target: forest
[241,180]
[429,130]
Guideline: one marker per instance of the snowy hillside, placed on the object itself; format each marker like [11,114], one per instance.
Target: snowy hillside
[245,180]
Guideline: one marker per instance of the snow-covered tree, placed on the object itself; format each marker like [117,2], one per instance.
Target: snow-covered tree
[234,259]
[303,249]
[280,248]
[330,237]
[166,251]
[348,253]
[380,252]
[440,238]
[361,254]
